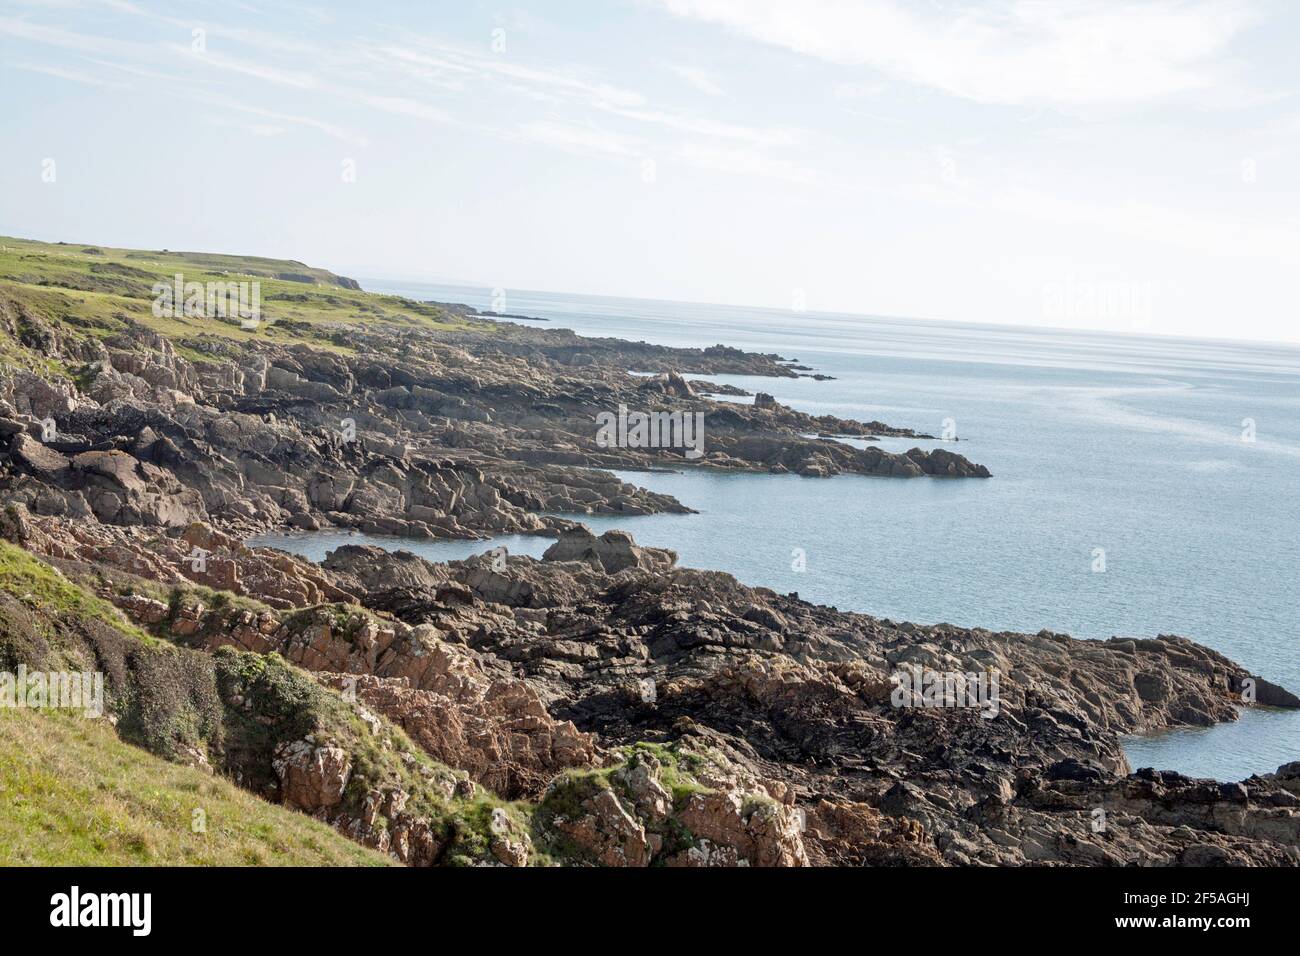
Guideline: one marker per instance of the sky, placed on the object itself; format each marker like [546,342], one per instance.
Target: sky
[1126,166]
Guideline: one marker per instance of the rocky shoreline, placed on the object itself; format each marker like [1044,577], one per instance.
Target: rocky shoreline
[647,699]
[601,705]
[421,434]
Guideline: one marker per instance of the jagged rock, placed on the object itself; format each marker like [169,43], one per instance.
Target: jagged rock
[36,458]
[422,433]
[312,777]
[763,833]
[613,551]
[498,731]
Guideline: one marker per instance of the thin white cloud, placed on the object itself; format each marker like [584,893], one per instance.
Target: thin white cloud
[557,86]
[403,106]
[279,43]
[74,76]
[590,140]
[1015,52]
[743,162]
[569,82]
[859,91]
[53,36]
[698,126]
[697,77]
[582,140]
[88,44]
[434,71]
[310,122]
[120,6]
[299,79]
[136,70]
[253,129]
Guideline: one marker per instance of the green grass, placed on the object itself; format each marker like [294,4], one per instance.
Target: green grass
[677,766]
[87,796]
[75,795]
[97,291]
[43,588]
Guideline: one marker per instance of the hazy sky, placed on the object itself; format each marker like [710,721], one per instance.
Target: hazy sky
[1107,164]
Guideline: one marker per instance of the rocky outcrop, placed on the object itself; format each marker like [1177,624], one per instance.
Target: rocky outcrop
[498,732]
[412,432]
[312,778]
[651,809]
[197,553]
[612,552]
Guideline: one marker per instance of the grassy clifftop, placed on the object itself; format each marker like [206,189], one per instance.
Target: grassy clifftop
[75,795]
[98,291]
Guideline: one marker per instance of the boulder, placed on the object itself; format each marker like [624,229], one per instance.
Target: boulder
[312,777]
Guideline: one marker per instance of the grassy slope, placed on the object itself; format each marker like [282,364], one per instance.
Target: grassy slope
[60,803]
[38,585]
[71,793]
[97,291]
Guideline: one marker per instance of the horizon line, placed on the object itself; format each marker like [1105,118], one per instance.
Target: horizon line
[918,320]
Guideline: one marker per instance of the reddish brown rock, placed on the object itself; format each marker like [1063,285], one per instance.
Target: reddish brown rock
[312,777]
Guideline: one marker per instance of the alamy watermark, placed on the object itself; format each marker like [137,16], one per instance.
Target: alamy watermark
[53,690]
[133,911]
[209,300]
[1132,303]
[922,687]
[624,429]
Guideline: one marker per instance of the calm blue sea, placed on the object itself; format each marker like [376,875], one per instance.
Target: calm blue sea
[1131,445]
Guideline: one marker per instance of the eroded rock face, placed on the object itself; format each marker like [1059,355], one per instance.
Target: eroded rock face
[111,485]
[765,834]
[312,778]
[847,833]
[606,830]
[501,735]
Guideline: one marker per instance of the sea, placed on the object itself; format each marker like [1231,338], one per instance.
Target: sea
[1141,486]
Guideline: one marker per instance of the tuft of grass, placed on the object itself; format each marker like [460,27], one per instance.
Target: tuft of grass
[677,767]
